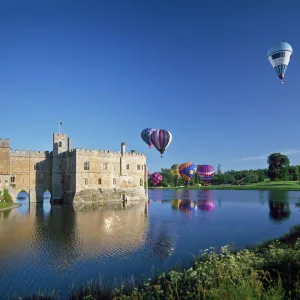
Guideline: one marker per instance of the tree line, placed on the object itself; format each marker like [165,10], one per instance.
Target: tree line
[279,169]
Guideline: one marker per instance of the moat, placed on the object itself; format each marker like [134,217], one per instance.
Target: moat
[45,247]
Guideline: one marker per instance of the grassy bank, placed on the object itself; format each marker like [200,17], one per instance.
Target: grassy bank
[278,185]
[268,271]
[5,204]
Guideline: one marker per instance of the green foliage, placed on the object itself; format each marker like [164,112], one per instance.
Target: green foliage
[6,196]
[278,166]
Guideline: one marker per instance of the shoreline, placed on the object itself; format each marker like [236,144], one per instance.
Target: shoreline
[10,207]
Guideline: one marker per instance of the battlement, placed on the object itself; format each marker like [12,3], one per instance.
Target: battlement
[5,143]
[30,153]
[95,152]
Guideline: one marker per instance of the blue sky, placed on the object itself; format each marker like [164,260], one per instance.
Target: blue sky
[109,69]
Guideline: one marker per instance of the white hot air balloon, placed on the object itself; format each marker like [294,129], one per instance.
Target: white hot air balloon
[279,57]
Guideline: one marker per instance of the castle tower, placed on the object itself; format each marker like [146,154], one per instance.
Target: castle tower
[60,147]
[4,163]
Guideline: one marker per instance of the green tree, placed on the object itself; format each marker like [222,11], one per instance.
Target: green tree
[298,173]
[261,176]
[219,170]
[251,178]
[7,196]
[278,166]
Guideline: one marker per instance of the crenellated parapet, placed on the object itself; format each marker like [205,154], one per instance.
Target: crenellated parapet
[30,153]
[5,143]
[108,153]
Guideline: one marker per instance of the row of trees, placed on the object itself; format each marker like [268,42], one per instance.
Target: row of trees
[279,169]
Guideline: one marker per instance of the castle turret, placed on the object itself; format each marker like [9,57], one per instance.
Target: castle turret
[60,145]
[4,163]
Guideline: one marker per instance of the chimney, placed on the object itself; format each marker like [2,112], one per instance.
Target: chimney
[123,149]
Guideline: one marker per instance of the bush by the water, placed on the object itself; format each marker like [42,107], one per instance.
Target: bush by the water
[6,197]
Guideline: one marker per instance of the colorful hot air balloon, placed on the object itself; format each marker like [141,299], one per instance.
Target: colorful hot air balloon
[161,139]
[146,136]
[279,57]
[206,172]
[175,170]
[155,178]
[187,171]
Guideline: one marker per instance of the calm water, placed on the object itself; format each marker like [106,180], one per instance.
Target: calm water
[44,247]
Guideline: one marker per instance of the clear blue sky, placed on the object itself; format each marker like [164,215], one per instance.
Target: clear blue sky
[109,69]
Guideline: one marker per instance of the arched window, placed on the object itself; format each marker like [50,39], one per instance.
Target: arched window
[59,144]
[141,182]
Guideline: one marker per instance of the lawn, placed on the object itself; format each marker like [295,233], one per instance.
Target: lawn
[5,204]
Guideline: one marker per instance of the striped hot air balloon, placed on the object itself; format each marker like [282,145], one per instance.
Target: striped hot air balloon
[279,57]
[161,139]
[187,171]
[206,172]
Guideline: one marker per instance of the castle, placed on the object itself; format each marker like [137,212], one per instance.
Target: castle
[73,174]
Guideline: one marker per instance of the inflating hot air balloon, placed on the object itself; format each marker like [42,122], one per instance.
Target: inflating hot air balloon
[279,56]
[161,139]
[146,136]
[155,178]
[175,170]
[187,171]
[206,172]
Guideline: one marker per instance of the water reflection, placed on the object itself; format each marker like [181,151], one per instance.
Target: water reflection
[279,206]
[204,202]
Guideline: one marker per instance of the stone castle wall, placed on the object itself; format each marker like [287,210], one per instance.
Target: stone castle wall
[66,172]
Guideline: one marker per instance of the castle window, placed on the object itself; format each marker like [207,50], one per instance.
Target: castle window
[99,181]
[86,165]
[12,179]
[36,167]
[86,182]
[138,167]
[59,144]
[105,166]
[127,167]
[141,182]
[114,168]
[114,181]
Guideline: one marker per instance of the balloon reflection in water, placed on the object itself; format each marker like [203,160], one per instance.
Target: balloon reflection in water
[187,206]
[206,202]
[175,204]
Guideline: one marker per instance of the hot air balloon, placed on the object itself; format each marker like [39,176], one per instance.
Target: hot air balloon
[161,139]
[146,136]
[279,56]
[206,172]
[187,171]
[155,178]
[175,170]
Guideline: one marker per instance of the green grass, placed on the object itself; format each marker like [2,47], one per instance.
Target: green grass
[5,204]
[276,185]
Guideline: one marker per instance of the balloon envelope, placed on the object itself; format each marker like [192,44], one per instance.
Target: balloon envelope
[155,178]
[175,170]
[187,171]
[161,139]
[146,136]
[279,57]
[206,172]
